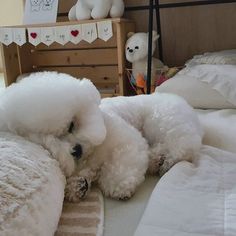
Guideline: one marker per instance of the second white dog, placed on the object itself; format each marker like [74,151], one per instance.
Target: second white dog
[146,132]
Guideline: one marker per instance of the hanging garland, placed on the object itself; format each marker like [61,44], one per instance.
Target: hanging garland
[88,32]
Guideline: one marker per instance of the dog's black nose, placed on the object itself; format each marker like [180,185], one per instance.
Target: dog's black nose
[77,151]
[131,50]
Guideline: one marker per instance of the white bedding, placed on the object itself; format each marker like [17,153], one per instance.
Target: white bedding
[199,198]
[31,189]
[220,128]
[221,78]
[194,199]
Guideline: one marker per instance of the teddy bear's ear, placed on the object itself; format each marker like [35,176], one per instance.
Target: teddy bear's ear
[130,34]
[155,36]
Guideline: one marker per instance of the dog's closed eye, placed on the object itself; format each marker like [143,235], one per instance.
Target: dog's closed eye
[71,127]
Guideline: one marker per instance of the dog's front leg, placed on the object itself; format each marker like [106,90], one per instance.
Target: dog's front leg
[78,186]
[61,151]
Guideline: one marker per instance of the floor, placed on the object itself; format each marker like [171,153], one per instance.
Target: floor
[122,218]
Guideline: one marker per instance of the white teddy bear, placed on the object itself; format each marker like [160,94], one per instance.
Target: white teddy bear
[96,9]
[137,54]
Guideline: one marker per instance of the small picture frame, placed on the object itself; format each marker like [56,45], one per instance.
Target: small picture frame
[40,11]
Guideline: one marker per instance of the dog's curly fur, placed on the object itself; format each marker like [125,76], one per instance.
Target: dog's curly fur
[114,144]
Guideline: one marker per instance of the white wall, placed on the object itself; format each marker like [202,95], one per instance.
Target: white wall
[11,13]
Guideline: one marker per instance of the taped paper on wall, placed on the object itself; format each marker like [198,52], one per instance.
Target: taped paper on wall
[40,11]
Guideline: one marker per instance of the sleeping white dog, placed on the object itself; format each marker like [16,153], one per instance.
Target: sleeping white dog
[144,133]
[44,107]
[114,144]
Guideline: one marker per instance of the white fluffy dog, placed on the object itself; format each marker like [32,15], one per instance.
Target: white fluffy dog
[114,144]
[45,107]
[145,132]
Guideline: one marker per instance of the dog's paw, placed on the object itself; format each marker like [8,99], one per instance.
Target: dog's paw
[125,198]
[155,164]
[76,189]
[122,195]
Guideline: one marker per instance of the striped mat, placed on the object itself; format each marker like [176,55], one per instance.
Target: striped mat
[85,218]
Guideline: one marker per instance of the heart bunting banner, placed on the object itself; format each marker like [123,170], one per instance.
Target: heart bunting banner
[6,36]
[88,32]
[19,36]
[47,35]
[34,36]
[105,30]
[62,34]
[75,32]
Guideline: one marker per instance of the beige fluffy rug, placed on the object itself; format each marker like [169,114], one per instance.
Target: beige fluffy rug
[85,218]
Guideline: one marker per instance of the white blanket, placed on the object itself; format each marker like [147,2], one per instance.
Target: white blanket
[199,198]
[31,188]
[220,128]
[194,199]
[221,78]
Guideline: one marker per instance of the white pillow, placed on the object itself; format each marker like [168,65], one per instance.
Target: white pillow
[204,86]
[215,58]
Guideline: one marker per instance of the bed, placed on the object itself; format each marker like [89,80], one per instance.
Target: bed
[196,198]
[191,199]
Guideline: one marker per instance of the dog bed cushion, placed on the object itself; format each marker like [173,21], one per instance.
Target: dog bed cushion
[31,188]
[83,218]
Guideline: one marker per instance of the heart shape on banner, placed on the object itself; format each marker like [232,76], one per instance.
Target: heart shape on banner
[74,32]
[33,35]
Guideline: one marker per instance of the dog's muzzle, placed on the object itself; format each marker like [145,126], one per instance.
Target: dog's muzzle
[77,151]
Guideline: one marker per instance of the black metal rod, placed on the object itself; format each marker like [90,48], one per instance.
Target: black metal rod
[181,4]
[196,3]
[158,21]
[149,65]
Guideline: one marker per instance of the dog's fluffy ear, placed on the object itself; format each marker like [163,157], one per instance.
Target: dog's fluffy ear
[92,126]
[89,91]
